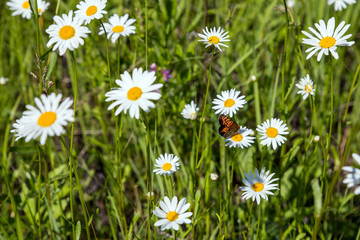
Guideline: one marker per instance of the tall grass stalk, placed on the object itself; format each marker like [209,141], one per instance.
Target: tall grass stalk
[71,158]
[39,192]
[38,47]
[107,53]
[204,109]
[259,222]
[351,91]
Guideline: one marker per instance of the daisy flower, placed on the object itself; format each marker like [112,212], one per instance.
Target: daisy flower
[353,177]
[290,3]
[327,39]
[214,37]
[340,4]
[118,26]
[172,213]
[228,102]
[48,118]
[258,185]
[214,176]
[166,164]
[42,6]
[90,9]
[190,111]
[241,139]
[3,80]
[134,92]
[306,87]
[271,132]
[22,7]
[66,33]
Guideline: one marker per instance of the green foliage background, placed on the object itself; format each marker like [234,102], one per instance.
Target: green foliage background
[263,43]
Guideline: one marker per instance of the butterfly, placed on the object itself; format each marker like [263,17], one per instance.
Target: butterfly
[228,128]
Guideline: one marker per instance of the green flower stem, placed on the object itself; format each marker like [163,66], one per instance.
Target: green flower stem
[107,53]
[284,57]
[71,159]
[257,103]
[39,192]
[259,221]
[118,57]
[118,131]
[38,47]
[146,35]
[350,92]
[331,108]
[203,111]
[249,219]
[335,178]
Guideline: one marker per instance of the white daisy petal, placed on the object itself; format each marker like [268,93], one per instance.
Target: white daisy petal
[118,26]
[134,93]
[166,164]
[66,33]
[214,37]
[272,132]
[48,119]
[176,214]
[327,37]
[257,185]
[190,111]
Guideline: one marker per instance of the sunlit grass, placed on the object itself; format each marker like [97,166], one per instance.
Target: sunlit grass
[112,158]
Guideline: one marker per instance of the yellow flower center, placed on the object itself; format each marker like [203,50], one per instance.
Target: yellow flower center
[118,29]
[237,137]
[167,166]
[91,10]
[26,5]
[134,93]
[67,32]
[39,10]
[229,103]
[257,187]
[272,132]
[47,119]
[214,40]
[327,42]
[172,216]
[308,88]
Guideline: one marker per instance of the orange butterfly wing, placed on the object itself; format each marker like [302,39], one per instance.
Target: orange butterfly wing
[228,128]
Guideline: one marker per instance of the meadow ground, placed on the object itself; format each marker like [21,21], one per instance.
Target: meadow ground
[90,175]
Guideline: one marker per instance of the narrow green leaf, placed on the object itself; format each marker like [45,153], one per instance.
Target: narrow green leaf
[78,230]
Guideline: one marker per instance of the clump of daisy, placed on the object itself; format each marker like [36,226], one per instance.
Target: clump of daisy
[66,33]
[214,176]
[214,37]
[258,185]
[118,26]
[306,87]
[166,164]
[22,7]
[190,111]
[134,93]
[229,102]
[90,9]
[172,213]
[3,80]
[241,139]
[353,177]
[271,132]
[48,118]
[327,39]
[340,4]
